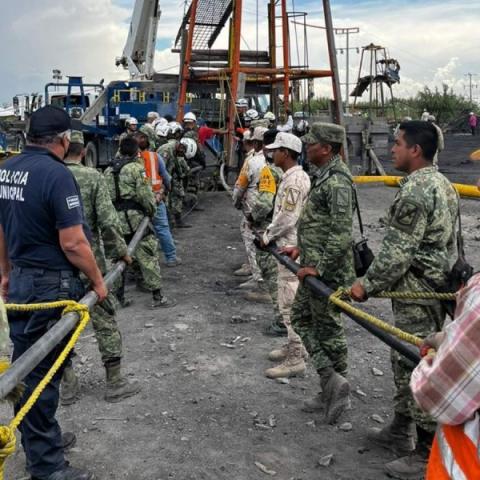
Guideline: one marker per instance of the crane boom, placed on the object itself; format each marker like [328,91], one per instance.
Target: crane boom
[139,52]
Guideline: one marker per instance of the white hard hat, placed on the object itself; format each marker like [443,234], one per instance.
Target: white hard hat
[161,121]
[471,113]
[175,127]
[302,125]
[269,116]
[190,117]
[252,114]
[241,102]
[247,135]
[190,147]
[162,130]
[258,133]
[286,140]
[131,121]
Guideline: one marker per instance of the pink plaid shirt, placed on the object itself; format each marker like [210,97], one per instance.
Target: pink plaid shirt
[447,386]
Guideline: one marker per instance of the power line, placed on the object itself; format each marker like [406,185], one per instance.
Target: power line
[471,86]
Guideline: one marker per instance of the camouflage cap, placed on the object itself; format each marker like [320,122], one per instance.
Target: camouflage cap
[325,132]
[77,137]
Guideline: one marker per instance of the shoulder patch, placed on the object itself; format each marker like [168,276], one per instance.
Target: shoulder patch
[267,182]
[73,202]
[406,215]
[342,200]
[292,196]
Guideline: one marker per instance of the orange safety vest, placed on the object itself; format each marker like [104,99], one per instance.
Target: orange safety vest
[150,161]
[455,453]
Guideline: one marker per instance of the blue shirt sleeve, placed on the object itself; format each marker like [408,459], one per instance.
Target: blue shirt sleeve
[163,172]
[64,199]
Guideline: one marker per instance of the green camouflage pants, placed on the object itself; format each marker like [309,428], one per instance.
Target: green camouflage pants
[421,319]
[146,255]
[320,327]
[106,330]
[176,197]
[269,270]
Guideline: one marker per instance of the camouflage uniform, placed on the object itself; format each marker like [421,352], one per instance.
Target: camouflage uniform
[244,195]
[104,224]
[290,199]
[134,185]
[261,214]
[325,242]
[414,257]
[178,170]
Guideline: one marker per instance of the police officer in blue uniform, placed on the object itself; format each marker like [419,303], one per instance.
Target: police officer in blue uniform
[43,247]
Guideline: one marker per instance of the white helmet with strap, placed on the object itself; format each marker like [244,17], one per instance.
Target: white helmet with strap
[190,147]
[189,117]
[252,114]
[131,121]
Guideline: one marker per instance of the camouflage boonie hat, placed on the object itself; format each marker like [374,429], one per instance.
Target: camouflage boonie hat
[77,137]
[325,132]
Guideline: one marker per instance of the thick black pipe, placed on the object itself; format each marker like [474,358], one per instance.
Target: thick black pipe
[322,290]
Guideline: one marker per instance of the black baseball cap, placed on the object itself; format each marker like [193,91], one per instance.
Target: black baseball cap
[49,120]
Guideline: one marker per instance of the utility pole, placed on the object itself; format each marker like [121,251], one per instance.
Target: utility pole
[471,86]
[347,32]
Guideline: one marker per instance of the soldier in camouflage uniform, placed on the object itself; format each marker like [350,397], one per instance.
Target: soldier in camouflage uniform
[103,221]
[173,154]
[414,257]
[291,196]
[131,125]
[259,218]
[149,129]
[133,198]
[325,249]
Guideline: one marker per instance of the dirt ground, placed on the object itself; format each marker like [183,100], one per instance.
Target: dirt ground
[206,411]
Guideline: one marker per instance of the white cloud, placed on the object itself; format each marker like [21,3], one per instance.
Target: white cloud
[435,41]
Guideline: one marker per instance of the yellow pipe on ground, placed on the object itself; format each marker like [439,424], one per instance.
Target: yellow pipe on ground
[467,191]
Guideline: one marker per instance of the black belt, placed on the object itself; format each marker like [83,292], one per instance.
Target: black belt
[44,272]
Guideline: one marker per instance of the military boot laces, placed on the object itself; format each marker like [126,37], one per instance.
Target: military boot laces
[294,364]
[337,397]
[119,387]
[160,301]
[69,387]
[398,436]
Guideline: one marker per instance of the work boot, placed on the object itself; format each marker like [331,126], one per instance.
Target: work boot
[336,395]
[276,329]
[160,301]
[69,473]
[119,387]
[410,467]
[293,365]
[69,440]
[69,387]
[398,436]
[243,271]
[250,284]
[260,296]
[179,223]
[173,263]
[280,354]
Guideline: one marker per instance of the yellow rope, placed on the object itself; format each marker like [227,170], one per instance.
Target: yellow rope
[336,298]
[7,432]
[417,295]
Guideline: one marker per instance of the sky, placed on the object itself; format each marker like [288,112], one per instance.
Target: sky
[435,41]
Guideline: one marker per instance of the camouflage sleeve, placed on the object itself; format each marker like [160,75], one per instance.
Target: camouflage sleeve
[144,194]
[108,222]
[404,235]
[286,219]
[338,192]
[263,203]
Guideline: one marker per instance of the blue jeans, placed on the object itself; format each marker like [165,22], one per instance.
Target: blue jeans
[41,434]
[162,231]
